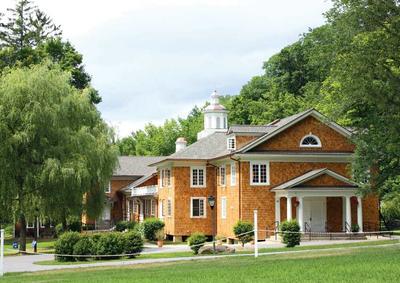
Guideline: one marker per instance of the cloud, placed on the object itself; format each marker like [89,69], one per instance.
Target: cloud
[153,60]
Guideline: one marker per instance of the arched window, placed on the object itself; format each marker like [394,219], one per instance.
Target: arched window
[310,141]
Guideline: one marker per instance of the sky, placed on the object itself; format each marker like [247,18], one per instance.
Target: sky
[154,60]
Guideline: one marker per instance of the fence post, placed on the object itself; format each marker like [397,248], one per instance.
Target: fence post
[1,252]
[255,234]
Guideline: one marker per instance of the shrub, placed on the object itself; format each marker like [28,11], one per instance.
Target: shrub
[355,228]
[125,225]
[196,241]
[241,228]
[150,227]
[85,246]
[290,239]
[111,244]
[133,243]
[65,245]
[59,230]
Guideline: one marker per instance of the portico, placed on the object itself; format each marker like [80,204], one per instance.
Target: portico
[309,202]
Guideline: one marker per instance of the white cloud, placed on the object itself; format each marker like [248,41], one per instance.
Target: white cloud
[153,60]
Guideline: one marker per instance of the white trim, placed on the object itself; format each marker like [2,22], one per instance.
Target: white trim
[267,173]
[223,207]
[228,143]
[162,173]
[233,177]
[311,145]
[204,207]
[108,188]
[311,112]
[169,207]
[30,226]
[220,175]
[204,168]
[300,157]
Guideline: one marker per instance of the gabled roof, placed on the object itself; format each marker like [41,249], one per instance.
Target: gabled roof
[138,182]
[249,129]
[135,165]
[207,148]
[312,175]
[280,125]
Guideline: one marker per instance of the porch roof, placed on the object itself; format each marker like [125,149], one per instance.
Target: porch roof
[296,182]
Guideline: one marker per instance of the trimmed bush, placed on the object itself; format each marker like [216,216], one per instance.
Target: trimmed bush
[59,230]
[355,228]
[196,241]
[241,228]
[65,245]
[150,227]
[290,239]
[111,244]
[133,243]
[85,246]
[125,225]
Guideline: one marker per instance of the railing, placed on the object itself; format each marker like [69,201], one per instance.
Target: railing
[347,227]
[144,191]
[276,229]
[307,229]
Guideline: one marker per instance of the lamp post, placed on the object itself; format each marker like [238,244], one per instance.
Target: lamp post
[211,202]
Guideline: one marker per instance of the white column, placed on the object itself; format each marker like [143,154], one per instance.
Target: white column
[289,208]
[359,214]
[348,211]
[128,209]
[300,218]
[141,216]
[255,234]
[278,209]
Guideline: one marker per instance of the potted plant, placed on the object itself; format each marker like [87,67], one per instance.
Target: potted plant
[160,237]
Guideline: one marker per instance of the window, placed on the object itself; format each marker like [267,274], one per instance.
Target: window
[30,224]
[165,177]
[198,176]
[218,123]
[223,207]
[147,207]
[225,124]
[108,188]
[233,174]
[169,210]
[259,173]
[310,141]
[161,209]
[222,176]
[153,207]
[232,143]
[197,207]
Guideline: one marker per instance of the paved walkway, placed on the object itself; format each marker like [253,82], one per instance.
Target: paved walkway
[26,263]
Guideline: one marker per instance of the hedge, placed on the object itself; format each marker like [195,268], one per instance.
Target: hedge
[241,228]
[291,238]
[196,241]
[65,245]
[150,228]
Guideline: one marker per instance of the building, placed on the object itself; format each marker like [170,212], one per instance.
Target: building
[292,168]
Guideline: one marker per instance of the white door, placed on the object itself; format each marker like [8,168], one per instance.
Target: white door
[315,213]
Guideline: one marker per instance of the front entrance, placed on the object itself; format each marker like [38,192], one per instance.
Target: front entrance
[315,213]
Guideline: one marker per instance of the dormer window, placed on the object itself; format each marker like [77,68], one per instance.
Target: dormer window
[310,141]
[231,143]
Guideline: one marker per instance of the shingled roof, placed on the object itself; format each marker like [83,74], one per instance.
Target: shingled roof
[136,165]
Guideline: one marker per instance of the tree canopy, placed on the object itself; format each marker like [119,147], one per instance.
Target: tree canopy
[54,146]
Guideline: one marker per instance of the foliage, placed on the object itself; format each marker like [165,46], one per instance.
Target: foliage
[65,245]
[290,235]
[54,147]
[74,223]
[160,234]
[85,246]
[133,243]
[59,230]
[150,228]
[125,225]
[241,231]
[111,244]
[28,36]
[196,241]
[355,228]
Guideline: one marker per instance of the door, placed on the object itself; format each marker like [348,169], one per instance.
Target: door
[315,213]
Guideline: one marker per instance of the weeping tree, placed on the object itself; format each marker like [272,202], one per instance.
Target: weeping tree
[55,149]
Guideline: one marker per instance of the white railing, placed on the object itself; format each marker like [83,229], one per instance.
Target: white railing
[144,191]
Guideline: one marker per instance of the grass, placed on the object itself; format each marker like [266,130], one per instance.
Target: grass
[352,265]
[44,246]
[190,254]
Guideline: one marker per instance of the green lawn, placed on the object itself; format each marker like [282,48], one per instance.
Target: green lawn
[189,254]
[377,264]
[44,246]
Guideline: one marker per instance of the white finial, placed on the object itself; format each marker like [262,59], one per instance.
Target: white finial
[214,97]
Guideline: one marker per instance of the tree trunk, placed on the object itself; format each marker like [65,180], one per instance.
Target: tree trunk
[22,233]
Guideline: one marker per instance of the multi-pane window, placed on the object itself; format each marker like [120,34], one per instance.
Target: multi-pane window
[233,174]
[310,141]
[169,210]
[147,207]
[165,177]
[223,207]
[222,175]
[153,207]
[198,176]
[259,174]
[108,188]
[231,143]
[197,207]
